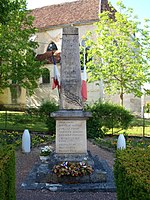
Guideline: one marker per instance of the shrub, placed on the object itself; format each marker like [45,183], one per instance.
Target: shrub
[7,137]
[106,116]
[132,174]
[32,111]
[45,110]
[7,173]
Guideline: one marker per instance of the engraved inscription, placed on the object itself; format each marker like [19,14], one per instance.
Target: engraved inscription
[70,95]
[71,136]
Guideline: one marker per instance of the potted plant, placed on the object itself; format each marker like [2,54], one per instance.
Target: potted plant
[45,153]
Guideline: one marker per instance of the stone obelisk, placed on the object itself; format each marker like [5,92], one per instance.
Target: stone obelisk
[71,137]
[70,97]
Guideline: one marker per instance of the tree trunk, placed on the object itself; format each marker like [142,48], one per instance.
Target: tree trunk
[121,97]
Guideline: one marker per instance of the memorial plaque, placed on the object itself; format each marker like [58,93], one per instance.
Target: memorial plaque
[70,95]
[71,137]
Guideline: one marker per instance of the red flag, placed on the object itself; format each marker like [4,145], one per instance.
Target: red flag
[84,85]
[56,77]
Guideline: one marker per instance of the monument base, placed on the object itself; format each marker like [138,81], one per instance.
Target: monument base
[71,137]
[42,177]
[46,175]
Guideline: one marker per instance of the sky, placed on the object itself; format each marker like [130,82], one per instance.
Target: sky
[141,7]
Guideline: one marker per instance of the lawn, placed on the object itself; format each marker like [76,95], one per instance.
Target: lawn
[18,121]
[139,127]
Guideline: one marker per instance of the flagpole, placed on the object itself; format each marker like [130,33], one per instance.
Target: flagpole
[84,56]
[53,63]
[83,44]
[84,86]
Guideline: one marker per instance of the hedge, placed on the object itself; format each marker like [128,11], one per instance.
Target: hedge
[132,174]
[7,173]
[106,116]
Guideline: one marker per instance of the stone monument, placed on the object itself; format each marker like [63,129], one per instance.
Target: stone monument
[71,137]
[70,98]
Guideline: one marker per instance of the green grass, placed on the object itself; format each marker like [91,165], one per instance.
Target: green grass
[138,129]
[19,121]
[135,129]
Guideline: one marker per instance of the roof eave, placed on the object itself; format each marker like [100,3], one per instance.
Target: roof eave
[68,24]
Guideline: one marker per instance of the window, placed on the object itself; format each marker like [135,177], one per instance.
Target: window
[45,76]
[52,47]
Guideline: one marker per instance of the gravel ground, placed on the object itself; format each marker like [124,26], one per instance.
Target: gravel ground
[25,162]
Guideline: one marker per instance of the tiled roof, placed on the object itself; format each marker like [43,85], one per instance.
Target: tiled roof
[77,12]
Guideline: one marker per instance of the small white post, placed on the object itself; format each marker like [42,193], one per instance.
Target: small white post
[26,141]
[121,142]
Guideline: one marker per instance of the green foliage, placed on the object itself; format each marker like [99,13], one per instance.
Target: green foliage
[106,143]
[110,143]
[37,140]
[138,142]
[147,108]
[45,110]
[15,138]
[17,55]
[7,173]
[19,121]
[106,116]
[132,174]
[120,52]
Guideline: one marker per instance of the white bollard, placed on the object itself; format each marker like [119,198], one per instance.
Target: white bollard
[121,142]
[26,141]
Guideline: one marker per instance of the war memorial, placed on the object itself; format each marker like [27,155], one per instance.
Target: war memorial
[71,134]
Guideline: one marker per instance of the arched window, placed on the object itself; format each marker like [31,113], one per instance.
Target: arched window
[52,47]
[45,76]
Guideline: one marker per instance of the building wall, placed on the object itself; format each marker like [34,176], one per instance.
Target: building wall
[7,99]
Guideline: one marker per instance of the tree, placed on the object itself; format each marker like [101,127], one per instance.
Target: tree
[18,65]
[120,52]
